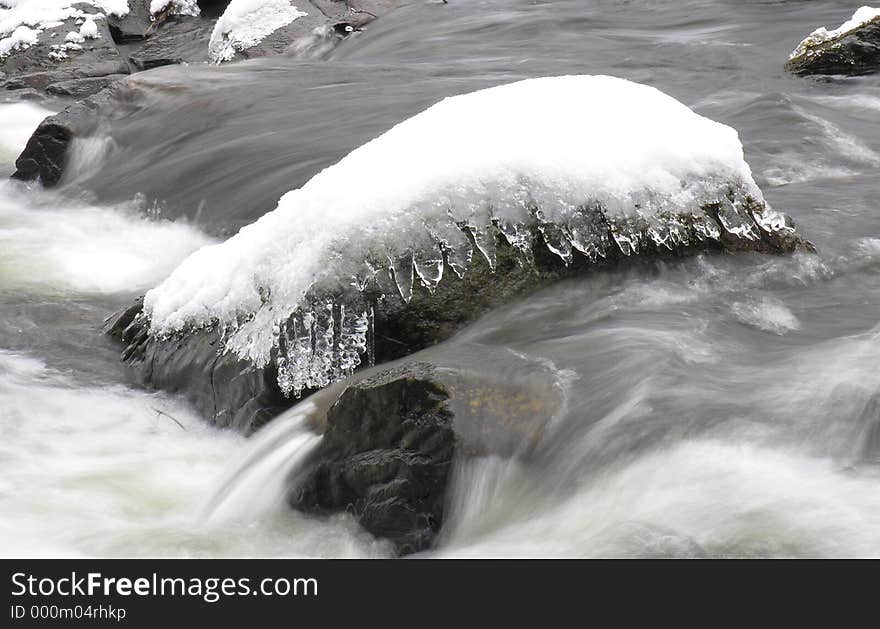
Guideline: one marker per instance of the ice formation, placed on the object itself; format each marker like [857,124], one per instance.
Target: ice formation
[821,35]
[245,23]
[590,164]
[22,21]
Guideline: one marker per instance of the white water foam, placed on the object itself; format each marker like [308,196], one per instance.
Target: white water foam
[768,314]
[51,242]
[19,122]
[114,472]
[753,502]
[48,242]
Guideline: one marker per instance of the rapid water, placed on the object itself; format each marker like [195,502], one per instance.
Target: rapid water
[716,406]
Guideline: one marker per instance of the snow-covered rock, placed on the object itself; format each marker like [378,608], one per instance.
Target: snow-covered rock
[592,166]
[851,48]
[248,22]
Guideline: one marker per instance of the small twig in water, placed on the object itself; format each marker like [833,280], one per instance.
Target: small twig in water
[158,412]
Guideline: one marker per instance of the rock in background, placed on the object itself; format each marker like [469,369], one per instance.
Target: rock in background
[76,68]
[91,70]
[855,52]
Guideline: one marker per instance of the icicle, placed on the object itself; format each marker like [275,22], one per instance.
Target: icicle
[429,269]
[770,220]
[704,228]
[326,339]
[517,235]
[660,233]
[484,242]
[402,274]
[588,232]
[736,220]
[556,242]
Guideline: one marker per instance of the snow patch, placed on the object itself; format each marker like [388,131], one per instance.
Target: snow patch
[86,248]
[821,35]
[88,29]
[592,163]
[21,37]
[246,23]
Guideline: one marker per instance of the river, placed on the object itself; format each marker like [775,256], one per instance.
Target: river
[719,406]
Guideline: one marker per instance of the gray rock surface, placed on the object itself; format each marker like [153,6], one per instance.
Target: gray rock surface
[84,87]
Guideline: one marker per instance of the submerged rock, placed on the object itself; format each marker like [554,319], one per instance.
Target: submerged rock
[385,457]
[851,49]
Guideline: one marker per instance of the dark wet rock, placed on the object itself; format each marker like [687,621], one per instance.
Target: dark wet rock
[40,65]
[853,53]
[46,152]
[392,437]
[180,39]
[386,457]
[230,393]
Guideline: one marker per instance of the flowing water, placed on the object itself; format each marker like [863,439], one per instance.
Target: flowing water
[716,406]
